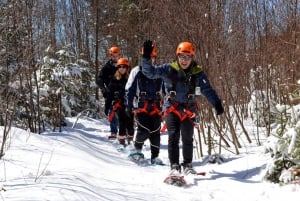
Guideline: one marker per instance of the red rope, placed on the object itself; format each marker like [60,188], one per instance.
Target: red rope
[116,106]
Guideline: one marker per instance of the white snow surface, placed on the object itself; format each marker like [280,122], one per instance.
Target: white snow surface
[81,164]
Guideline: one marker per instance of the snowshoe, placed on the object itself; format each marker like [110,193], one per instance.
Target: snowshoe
[215,158]
[121,148]
[157,161]
[122,145]
[175,180]
[175,177]
[136,156]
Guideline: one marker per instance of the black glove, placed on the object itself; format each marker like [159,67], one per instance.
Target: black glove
[128,112]
[105,92]
[219,108]
[147,49]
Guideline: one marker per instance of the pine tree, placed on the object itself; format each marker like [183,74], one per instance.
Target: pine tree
[66,81]
[284,144]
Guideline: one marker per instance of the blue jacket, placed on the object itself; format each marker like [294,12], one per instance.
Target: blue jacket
[139,86]
[182,82]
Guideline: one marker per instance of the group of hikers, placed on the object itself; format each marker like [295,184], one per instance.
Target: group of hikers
[150,93]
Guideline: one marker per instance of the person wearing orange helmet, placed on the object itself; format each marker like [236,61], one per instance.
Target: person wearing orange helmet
[116,99]
[184,79]
[148,110]
[105,75]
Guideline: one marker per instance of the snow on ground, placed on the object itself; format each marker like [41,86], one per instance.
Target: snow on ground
[80,164]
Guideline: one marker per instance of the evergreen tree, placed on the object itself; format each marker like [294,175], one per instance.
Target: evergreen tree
[66,81]
[284,144]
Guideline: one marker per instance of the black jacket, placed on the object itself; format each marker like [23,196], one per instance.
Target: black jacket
[116,90]
[106,74]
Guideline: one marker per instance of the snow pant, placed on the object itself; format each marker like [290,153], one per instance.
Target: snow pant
[148,127]
[126,126]
[114,125]
[177,128]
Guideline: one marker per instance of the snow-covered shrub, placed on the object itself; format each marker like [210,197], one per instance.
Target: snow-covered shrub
[284,145]
[67,80]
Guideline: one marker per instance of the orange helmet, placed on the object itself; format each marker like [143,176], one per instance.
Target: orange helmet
[114,50]
[123,61]
[153,53]
[185,47]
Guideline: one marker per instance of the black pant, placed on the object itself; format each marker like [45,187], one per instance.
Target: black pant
[125,123]
[176,128]
[148,127]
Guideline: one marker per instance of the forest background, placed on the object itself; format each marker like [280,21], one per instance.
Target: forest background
[51,52]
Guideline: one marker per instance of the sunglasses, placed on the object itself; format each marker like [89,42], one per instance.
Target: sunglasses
[185,57]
